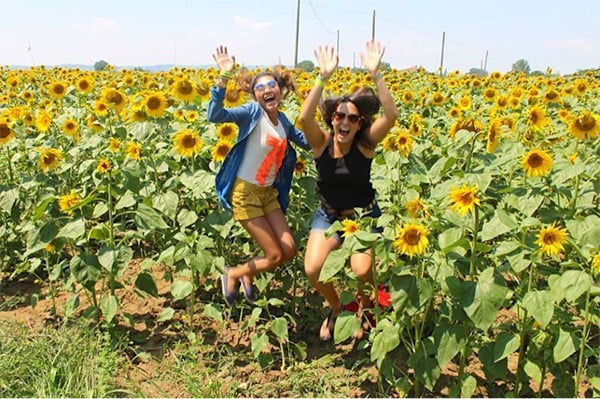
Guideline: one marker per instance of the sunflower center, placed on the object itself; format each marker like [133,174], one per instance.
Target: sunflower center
[586,123]
[535,161]
[412,237]
[4,131]
[549,238]
[153,103]
[189,142]
[185,88]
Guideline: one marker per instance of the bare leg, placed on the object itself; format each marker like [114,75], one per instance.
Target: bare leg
[274,237]
[317,250]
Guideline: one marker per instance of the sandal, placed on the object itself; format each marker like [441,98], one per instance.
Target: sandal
[328,326]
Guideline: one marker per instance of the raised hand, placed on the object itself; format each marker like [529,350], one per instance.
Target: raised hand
[327,60]
[372,59]
[224,61]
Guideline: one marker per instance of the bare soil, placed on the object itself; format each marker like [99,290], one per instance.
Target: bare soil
[223,347]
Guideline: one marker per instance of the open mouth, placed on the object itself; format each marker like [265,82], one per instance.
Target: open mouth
[269,99]
[343,132]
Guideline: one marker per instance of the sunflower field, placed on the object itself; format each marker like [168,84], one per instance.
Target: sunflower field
[489,187]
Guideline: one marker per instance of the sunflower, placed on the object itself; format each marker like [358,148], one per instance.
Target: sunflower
[6,131]
[155,104]
[349,226]
[464,103]
[537,118]
[68,201]
[404,143]
[114,144]
[411,239]
[551,239]
[49,159]
[416,207]
[27,96]
[389,143]
[227,131]
[134,150]
[416,125]
[50,247]
[70,127]
[104,165]
[586,125]
[464,199]
[43,121]
[220,150]
[300,167]
[493,136]
[57,90]
[537,163]
[184,90]
[203,89]
[101,108]
[114,97]
[234,96]
[470,124]
[84,84]
[489,94]
[187,143]
[596,264]
[136,114]
[192,115]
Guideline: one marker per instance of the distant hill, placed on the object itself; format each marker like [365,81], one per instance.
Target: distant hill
[83,67]
[151,68]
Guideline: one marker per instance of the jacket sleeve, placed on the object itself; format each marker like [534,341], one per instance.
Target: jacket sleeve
[217,113]
[295,135]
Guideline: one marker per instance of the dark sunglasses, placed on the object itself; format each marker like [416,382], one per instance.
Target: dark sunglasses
[339,116]
[261,86]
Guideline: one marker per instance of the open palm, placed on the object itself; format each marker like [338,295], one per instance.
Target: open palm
[372,59]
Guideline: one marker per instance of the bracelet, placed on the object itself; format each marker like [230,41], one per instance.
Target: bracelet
[377,76]
[320,82]
[226,75]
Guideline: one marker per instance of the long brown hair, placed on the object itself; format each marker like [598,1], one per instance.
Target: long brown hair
[367,103]
[282,76]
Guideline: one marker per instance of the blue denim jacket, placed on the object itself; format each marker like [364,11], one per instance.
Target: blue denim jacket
[246,117]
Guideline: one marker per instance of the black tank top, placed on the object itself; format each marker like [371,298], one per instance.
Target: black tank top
[345,183]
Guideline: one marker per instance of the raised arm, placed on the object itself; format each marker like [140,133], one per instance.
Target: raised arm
[371,61]
[328,61]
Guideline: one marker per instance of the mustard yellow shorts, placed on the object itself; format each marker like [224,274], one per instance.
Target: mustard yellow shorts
[249,201]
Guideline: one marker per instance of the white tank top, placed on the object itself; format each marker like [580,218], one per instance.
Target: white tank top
[264,153]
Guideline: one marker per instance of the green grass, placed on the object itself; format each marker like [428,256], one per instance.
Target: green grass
[55,362]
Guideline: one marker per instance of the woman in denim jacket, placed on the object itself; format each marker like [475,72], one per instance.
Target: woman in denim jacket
[256,175]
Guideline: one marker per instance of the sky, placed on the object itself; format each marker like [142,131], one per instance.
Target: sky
[456,35]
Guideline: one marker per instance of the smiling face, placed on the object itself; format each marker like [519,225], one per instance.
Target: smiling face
[346,121]
[267,93]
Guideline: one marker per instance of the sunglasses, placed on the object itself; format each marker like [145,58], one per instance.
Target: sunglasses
[261,86]
[352,118]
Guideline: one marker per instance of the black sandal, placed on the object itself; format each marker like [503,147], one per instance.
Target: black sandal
[328,326]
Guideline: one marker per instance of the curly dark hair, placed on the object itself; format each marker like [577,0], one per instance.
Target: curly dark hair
[366,101]
[283,76]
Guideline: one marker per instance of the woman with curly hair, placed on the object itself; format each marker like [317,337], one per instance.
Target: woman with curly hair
[255,177]
[343,153]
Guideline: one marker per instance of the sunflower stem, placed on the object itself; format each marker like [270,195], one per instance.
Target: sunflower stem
[585,333]
[474,242]
[10,171]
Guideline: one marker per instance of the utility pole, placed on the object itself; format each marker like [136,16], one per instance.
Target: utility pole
[297,34]
[337,43]
[442,60]
[485,62]
[373,27]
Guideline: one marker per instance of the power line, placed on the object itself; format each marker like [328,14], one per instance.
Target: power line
[318,18]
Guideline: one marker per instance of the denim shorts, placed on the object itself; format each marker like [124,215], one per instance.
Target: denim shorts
[323,221]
